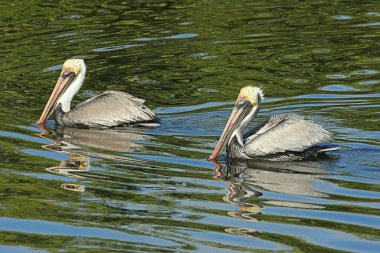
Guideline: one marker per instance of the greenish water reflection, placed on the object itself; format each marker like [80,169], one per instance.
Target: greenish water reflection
[153,189]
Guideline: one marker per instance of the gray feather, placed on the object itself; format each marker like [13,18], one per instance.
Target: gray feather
[282,133]
[109,109]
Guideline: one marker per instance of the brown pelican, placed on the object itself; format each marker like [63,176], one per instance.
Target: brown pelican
[282,137]
[110,109]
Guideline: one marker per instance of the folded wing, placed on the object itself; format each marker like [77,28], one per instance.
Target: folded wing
[108,109]
[284,132]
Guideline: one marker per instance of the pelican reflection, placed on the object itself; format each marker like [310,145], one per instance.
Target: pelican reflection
[248,185]
[81,144]
[100,143]
[71,166]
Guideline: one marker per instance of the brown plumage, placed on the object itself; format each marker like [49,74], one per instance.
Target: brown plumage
[110,109]
[282,137]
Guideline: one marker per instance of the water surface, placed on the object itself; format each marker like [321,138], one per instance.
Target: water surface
[153,189]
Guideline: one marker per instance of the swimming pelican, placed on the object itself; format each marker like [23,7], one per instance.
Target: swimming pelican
[109,109]
[282,137]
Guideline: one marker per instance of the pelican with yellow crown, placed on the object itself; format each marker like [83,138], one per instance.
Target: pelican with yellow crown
[109,109]
[282,137]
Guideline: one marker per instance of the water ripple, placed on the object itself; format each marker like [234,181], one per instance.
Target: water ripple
[153,189]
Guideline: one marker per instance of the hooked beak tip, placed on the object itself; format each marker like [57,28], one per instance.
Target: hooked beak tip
[213,156]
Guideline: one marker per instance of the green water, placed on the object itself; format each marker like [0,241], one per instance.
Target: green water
[153,189]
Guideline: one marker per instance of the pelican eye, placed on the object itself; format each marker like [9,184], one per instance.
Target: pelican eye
[242,104]
[68,74]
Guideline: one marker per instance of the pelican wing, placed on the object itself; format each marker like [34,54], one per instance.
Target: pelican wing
[284,132]
[111,108]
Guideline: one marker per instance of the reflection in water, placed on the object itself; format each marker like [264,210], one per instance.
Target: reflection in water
[73,187]
[249,180]
[316,59]
[70,166]
[117,140]
[81,144]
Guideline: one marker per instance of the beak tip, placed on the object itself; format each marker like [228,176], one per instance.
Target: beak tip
[40,122]
[212,157]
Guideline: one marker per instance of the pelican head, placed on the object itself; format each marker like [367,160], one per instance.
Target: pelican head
[68,84]
[246,107]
